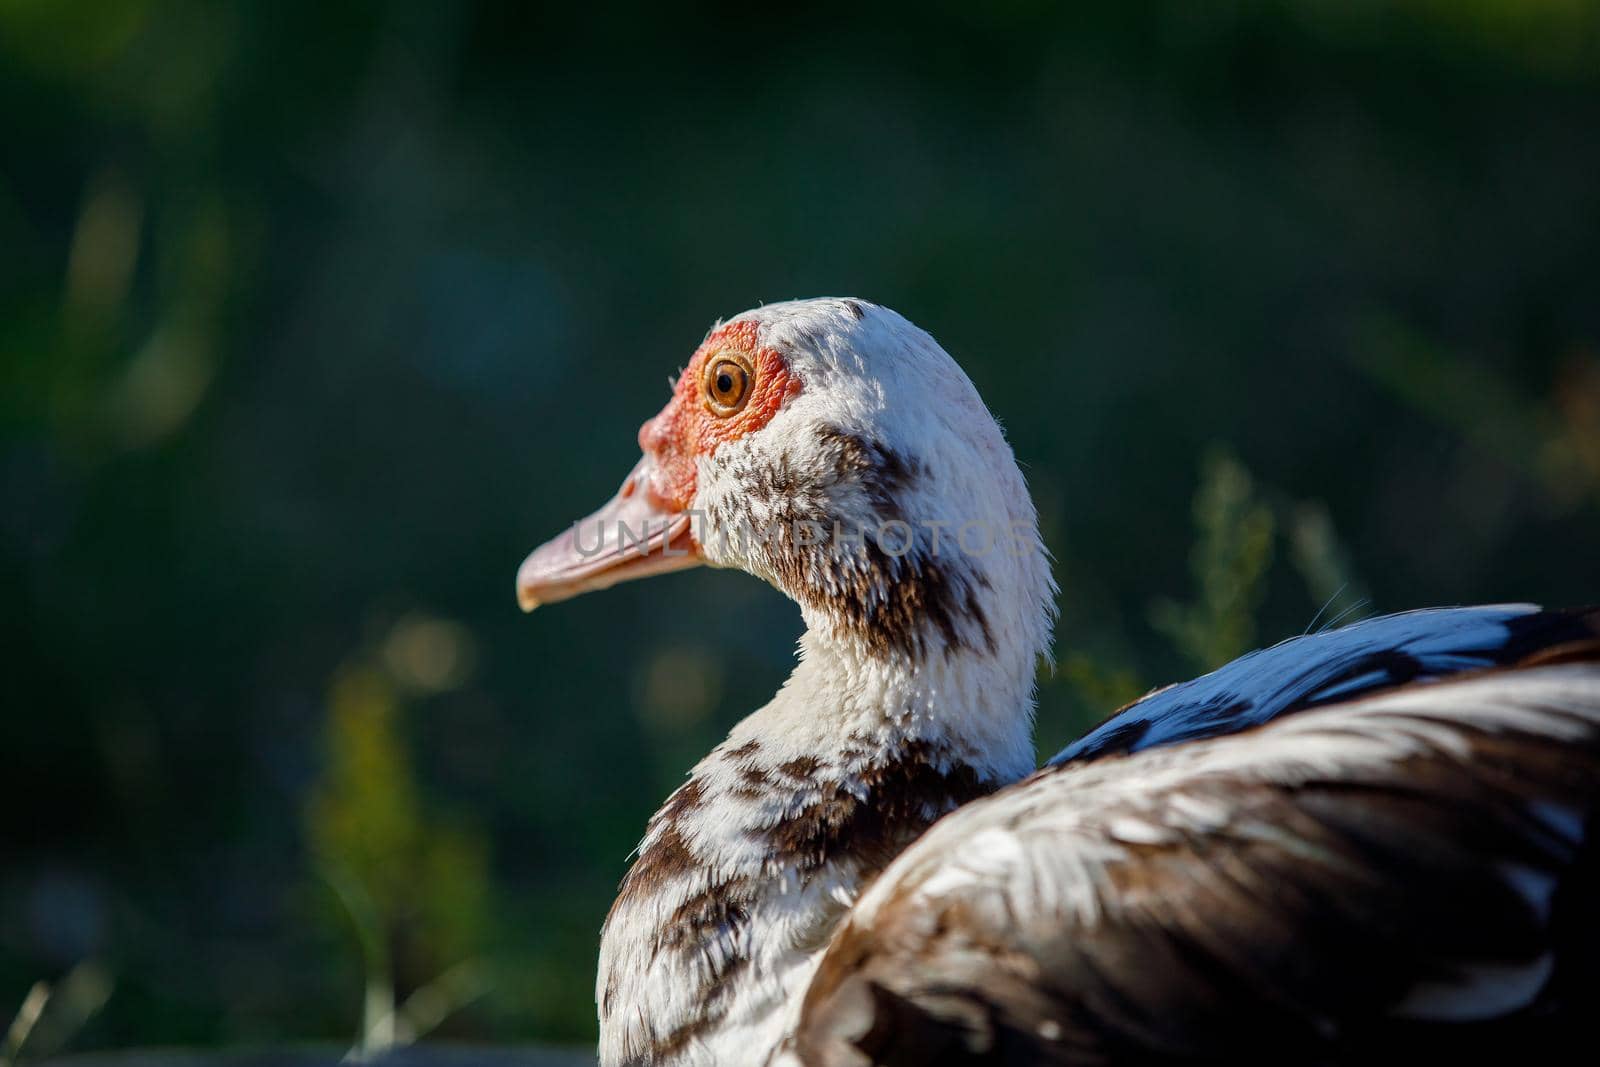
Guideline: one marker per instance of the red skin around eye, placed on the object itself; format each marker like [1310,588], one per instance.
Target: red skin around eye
[685,429]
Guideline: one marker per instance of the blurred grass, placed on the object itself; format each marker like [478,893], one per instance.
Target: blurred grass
[1233,549]
[415,889]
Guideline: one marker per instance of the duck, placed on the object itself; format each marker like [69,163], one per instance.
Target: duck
[1372,841]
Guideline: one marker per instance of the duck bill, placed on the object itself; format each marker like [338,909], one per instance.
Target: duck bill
[631,536]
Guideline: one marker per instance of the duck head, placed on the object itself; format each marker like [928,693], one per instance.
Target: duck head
[833,449]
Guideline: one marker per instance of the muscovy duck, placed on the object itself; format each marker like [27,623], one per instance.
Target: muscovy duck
[1347,847]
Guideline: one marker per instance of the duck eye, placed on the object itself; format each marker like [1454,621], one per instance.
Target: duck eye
[727,381]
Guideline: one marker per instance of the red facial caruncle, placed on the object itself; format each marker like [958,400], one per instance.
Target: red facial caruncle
[694,423]
[731,387]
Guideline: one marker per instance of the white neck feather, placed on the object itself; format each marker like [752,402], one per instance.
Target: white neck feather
[976,706]
[746,871]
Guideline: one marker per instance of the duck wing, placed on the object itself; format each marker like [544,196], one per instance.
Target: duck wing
[1409,870]
[1337,665]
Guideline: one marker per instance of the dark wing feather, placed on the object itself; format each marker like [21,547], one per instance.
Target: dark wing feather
[1411,871]
[1338,665]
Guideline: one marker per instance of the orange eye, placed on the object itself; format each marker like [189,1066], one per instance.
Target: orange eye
[727,382]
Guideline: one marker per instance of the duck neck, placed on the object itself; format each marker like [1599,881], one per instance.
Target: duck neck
[971,706]
[746,870]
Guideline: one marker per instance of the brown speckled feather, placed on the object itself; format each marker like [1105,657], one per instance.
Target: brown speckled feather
[1413,870]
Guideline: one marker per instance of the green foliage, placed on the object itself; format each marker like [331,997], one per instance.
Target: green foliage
[416,888]
[1323,564]
[1229,562]
[1236,526]
[1099,685]
[1554,439]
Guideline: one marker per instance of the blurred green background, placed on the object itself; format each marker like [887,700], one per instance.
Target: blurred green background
[315,318]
